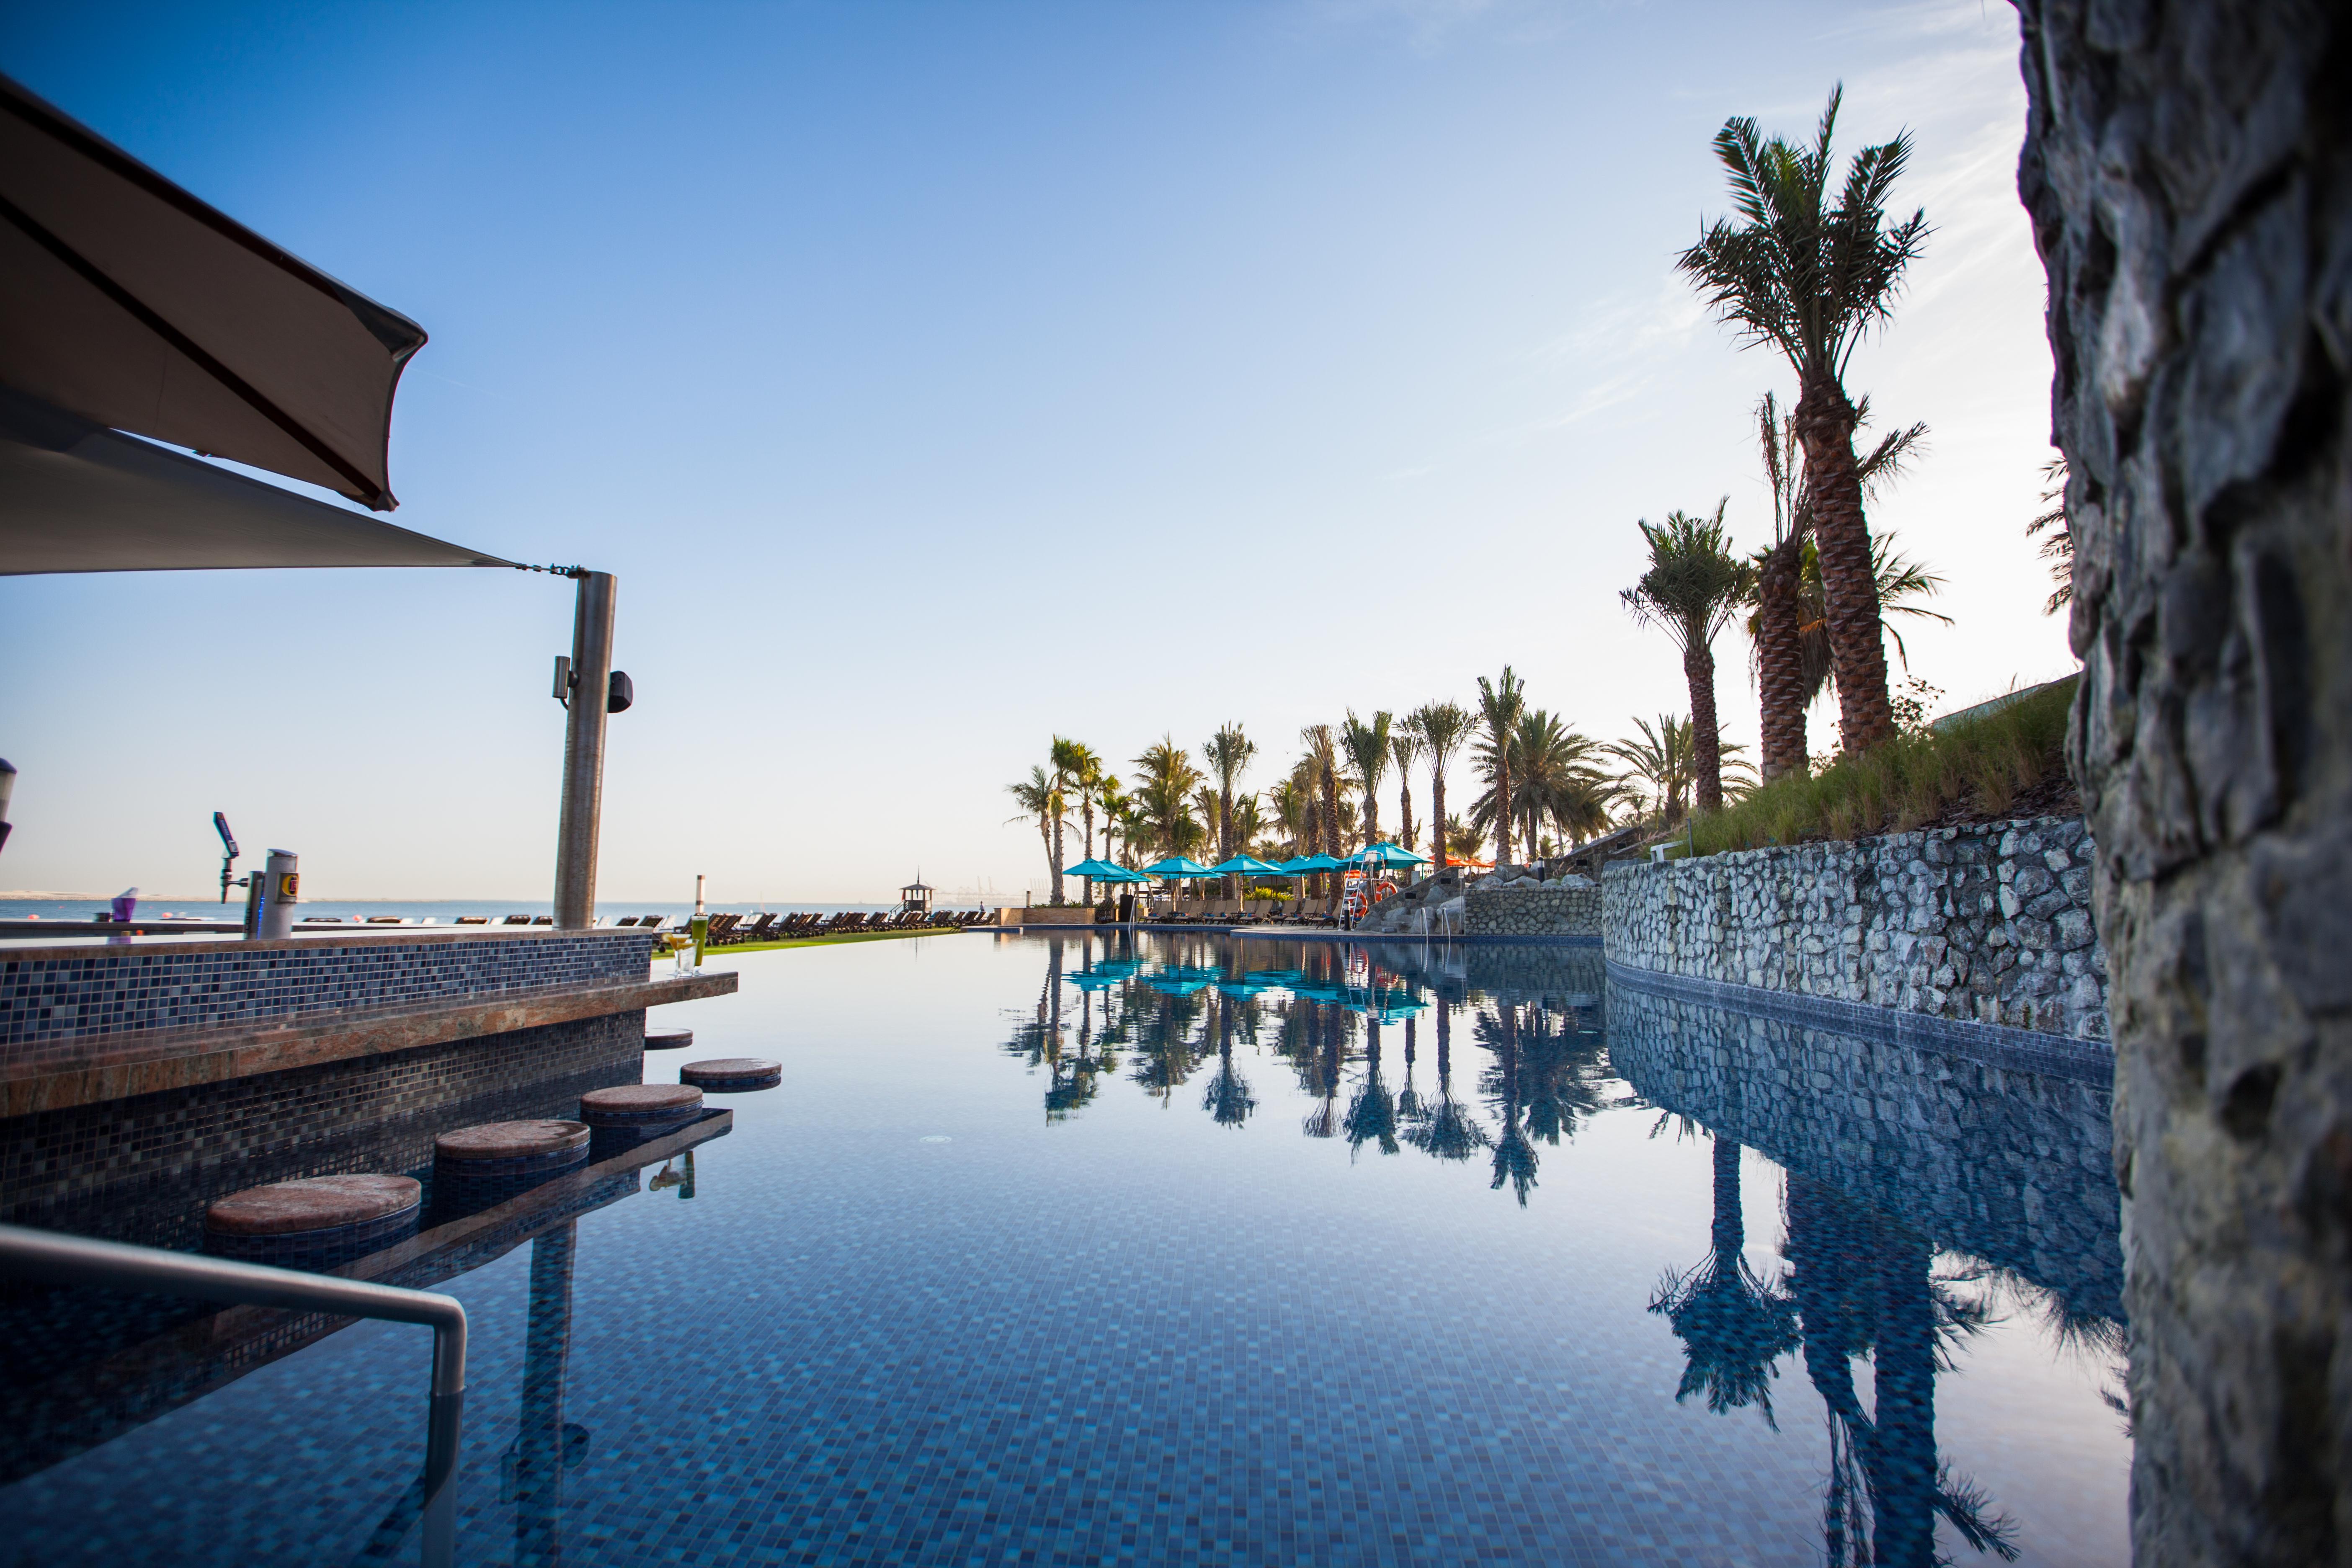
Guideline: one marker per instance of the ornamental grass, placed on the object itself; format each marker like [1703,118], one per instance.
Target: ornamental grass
[1971,771]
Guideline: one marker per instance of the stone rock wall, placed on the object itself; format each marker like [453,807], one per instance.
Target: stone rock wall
[2188,167]
[1549,910]
[1990,924]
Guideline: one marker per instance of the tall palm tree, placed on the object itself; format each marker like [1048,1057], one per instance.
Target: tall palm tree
[1693,586]
[1323,756]
[1811,278]
[1441,727]
[1772,626]
[1293,803]
[1404,750]
[1902,583]
[1500,703]
[1040,798]
[1228,755]
[1082,775]
[1367,746]
[1787,624]
[1556,778]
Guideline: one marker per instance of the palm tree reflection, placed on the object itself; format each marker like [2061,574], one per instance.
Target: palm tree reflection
[1446,1129]
[1733,1326]
[1372,1113]
[1515,1156]
[1865,1285]
[1227,1098]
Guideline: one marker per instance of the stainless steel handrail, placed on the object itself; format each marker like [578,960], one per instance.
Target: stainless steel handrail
[60,1259]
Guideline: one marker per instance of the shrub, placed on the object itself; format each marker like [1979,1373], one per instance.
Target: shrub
[1897,785]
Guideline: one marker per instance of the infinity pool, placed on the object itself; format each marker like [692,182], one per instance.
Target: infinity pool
[1202,1249]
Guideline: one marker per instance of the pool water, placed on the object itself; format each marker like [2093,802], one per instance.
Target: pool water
[1177,1249]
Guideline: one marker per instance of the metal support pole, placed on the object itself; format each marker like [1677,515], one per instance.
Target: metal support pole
[583,754]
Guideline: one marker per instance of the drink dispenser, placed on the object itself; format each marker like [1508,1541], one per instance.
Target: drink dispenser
[280,888]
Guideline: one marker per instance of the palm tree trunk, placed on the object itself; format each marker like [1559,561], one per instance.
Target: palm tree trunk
[1057,859]
[1780,660]
[1090,850]
[1371,814]
[1850,590]
[1706,744]
[1404,807]
[1437,815]
[1502,803]
[1904,1385]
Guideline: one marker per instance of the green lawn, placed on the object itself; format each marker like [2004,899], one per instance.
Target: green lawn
[1979,768]
[828,940]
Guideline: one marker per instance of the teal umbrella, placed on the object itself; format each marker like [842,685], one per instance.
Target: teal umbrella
[1104,871]
[1178,866]
[1387,854]
[1306,863]
[1247,866]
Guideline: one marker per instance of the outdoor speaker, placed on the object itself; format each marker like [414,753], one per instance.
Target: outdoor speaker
[619,694]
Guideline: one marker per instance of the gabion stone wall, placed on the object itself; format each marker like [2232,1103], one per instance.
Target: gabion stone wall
[1990,924]
[1532,912]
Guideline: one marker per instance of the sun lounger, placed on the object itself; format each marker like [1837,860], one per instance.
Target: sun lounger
[473,919]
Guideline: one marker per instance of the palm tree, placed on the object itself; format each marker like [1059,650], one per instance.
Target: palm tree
[1690,591]
[1441,727]
[1040,797]
[1555,779]
[1293,801]
[1228,755]
[1787,626]
[1163,795]
[1499,706]
[1463,841]
[1661,760]
[1367,746]
[1082,775]
[1811,279]
[1323,756]
[1902,582]
[1404,750]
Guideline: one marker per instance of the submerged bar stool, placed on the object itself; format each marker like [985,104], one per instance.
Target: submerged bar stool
[668,1039]
[640,1107]
[314,1222]
[475,1166]
[732,1073]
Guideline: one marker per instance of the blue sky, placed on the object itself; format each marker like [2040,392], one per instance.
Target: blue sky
[938,377]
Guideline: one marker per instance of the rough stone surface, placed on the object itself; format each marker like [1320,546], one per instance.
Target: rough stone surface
[1989,923]
[511,1140]
[1549,909]
[312,1203]
[639,1104]
[2188,170]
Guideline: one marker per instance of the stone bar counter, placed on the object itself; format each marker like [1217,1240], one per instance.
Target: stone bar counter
[135,1076]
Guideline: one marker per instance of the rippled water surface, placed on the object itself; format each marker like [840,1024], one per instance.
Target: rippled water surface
[1200,1250]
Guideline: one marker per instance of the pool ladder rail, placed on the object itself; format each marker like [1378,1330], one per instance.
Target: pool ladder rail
[56,1258]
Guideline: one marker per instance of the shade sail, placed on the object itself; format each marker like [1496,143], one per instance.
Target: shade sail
[126,301]
[75,496]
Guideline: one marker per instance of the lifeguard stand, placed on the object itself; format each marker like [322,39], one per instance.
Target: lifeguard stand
[915,898]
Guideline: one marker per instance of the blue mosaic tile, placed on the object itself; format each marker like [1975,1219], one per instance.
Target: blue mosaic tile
[47,1001]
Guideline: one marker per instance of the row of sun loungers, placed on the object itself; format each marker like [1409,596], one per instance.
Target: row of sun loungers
[730,929]
[1247,912]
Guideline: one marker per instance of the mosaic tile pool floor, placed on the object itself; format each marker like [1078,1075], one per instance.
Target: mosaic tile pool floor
[1228,1251]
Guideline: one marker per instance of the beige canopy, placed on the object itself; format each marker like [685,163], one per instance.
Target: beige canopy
[126,304]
